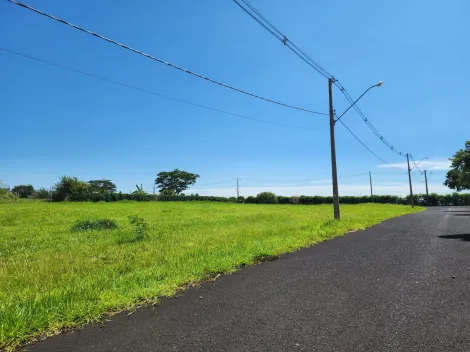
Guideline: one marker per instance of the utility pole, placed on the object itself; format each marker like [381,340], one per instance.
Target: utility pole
[427,193]
[371,194]
[238,190]
[154,188]
[409,179]
[334,173]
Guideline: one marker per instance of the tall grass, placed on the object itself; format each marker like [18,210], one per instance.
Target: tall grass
[52,277]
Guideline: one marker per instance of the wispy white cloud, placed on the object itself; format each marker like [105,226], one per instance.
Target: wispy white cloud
[438,164]
[391,188]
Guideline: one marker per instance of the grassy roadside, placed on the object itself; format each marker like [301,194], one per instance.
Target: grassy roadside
[53,278]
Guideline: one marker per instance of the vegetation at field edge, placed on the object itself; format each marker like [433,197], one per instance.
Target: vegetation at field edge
[63,265]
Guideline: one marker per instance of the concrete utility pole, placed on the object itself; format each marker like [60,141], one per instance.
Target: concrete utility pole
[334,174]
[427,192]
[409,179]
[333,121]
[371,194]
[238,190]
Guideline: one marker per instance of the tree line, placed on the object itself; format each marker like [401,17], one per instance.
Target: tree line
[171,184]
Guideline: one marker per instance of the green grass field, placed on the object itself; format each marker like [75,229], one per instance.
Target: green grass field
[53,278]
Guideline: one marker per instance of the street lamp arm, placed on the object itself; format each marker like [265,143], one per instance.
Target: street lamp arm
[416,165]
[354,103]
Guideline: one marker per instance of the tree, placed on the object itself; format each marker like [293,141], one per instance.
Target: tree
[458,178]
[23,191]
[266,198]
[250,200]
[176,180]
[102,186]
[70,188]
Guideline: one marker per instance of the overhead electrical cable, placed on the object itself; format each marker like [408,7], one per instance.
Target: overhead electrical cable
[263,21]
[160,60]
[151,92]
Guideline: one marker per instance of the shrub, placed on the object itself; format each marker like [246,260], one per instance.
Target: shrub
[100,224]
[41,193]
[283,200]
[140,230]
[294,200]
[6,195]
[266,198]
[168,192]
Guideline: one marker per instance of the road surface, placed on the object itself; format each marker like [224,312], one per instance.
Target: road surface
[403,285]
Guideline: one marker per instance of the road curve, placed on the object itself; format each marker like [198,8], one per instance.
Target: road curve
[403,285]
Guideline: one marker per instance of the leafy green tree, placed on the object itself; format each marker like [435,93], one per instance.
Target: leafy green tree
[102,186]
[23,191]
[176,181]
[266,198]
[458,178]
[70,188]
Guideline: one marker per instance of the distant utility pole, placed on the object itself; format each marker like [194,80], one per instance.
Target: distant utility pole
[427,192]
[371,193]
[426,181]
[153,188]
[409,179]
[238,190]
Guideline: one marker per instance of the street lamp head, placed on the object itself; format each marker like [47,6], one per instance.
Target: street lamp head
[379,84]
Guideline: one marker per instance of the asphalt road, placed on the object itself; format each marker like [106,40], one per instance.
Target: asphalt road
[403,285]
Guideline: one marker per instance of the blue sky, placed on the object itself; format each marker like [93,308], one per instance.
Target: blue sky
[57,122]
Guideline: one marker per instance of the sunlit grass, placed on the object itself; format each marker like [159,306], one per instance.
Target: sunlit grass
[52,277]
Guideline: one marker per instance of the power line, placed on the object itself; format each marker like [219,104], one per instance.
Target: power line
[150,92]
[263,25]
[365,119]
[301,54]
[286,41]
[160,60]
[365,146]
[282,38]
[298,52]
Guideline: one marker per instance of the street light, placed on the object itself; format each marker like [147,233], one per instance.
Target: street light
[416,165]
[379,84]
[334,172]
